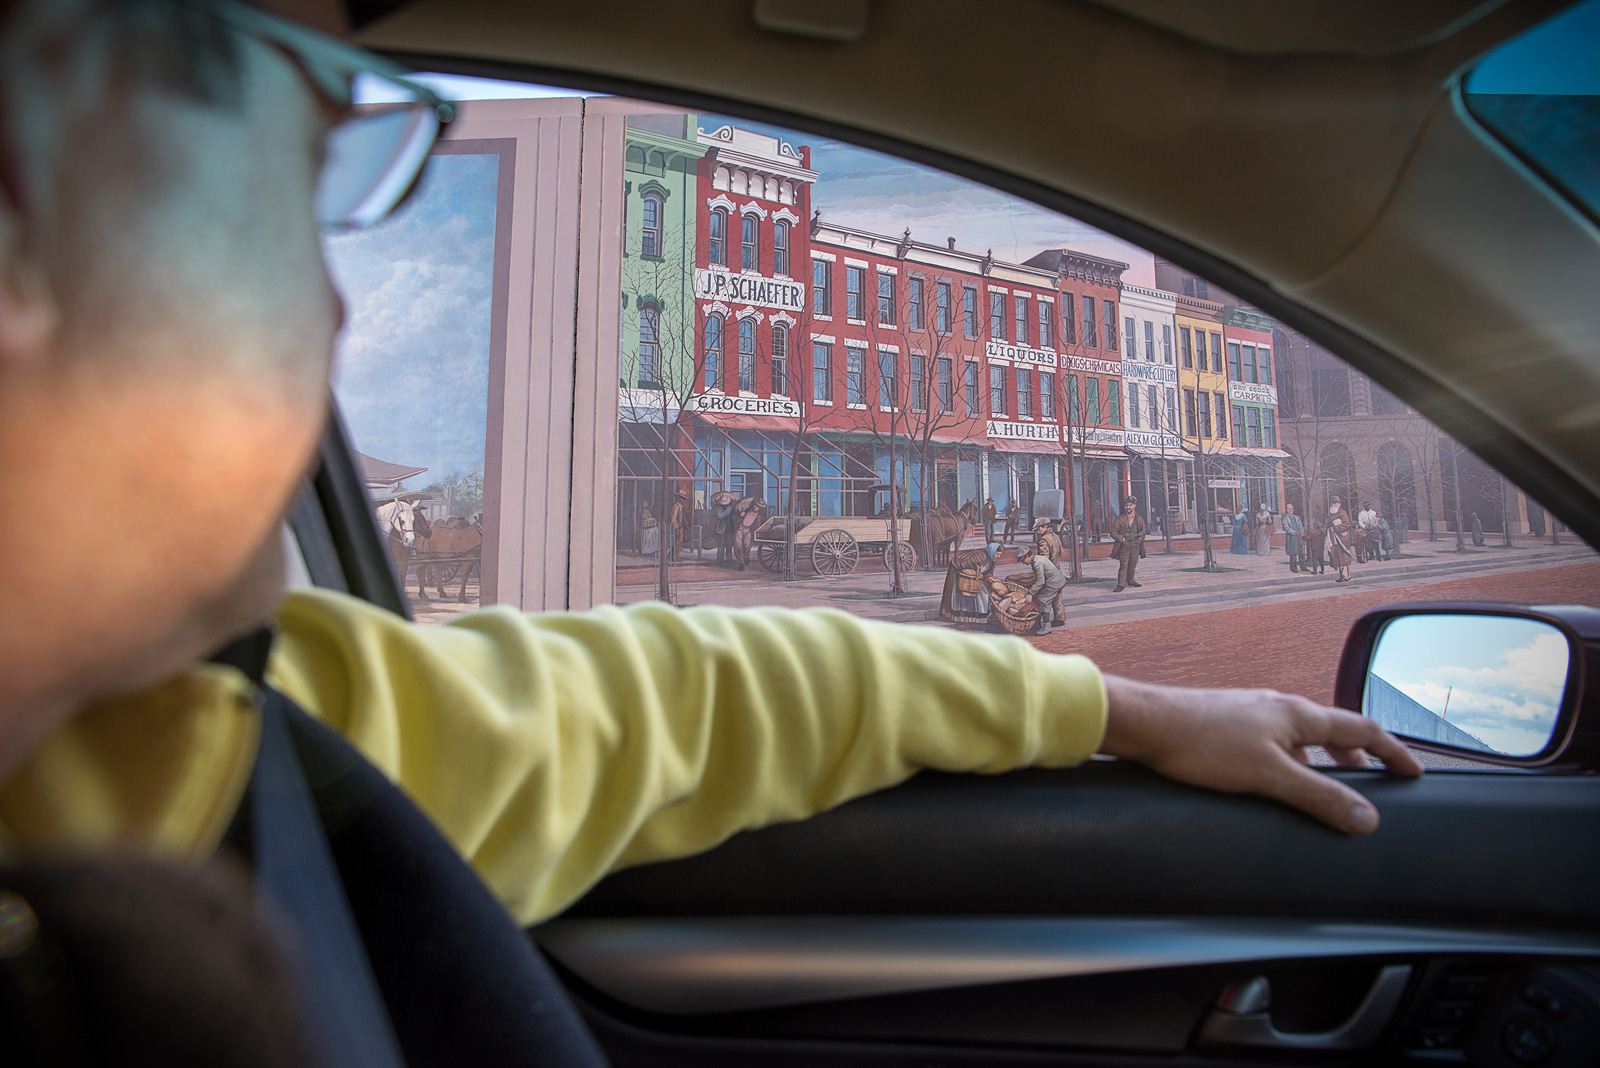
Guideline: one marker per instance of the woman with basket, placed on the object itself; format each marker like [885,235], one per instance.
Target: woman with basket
[966,596]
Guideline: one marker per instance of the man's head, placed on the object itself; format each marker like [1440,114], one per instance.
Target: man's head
[166,326]
[1129,504]
[1288,509]
[1025,554]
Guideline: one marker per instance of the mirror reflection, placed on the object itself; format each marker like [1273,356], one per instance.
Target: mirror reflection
[1490,683]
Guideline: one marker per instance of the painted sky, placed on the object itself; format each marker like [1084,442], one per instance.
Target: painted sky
[1504,677]
[413,361]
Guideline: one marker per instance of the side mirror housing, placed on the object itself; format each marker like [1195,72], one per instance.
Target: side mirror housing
[1496,684]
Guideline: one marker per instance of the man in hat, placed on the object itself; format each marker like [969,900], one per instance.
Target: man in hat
[990,515]
[1127,531]
[1052,549]
[1048,582]
[723,505]
[1340,553]
[679,522]
[1013,515]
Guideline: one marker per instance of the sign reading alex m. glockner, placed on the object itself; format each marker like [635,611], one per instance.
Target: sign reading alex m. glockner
[714,283]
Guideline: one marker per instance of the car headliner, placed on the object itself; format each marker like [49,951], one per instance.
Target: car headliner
[1313,150]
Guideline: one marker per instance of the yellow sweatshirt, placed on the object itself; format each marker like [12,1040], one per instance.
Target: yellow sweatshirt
[552,749]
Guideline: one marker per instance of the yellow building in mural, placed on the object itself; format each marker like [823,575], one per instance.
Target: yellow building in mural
[1203,400]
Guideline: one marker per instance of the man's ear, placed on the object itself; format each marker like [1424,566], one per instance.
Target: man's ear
[29,314]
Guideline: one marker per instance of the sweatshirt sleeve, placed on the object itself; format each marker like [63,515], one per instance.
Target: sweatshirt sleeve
[552,749]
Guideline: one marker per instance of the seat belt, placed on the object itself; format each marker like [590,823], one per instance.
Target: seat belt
[295,872]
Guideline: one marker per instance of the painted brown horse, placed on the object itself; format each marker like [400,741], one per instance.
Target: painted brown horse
[945,529]
[451,541]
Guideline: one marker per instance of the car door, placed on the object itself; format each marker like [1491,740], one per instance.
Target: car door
[1092,915]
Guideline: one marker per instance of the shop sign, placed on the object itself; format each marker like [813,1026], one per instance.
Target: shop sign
[1098,436]
[999,350]
[1255,394]
[1225,483]
[1158,373]
[1094,366]
[715,283]
[1024,431]
[1154,439]
[722,404]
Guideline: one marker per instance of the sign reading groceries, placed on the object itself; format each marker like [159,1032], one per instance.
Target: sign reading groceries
[722,404]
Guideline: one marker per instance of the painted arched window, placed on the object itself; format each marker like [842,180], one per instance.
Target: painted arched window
[747,355]
[719,237]
[650,237]
[649,341]
[713,361]
[780,360]
[780,247]
[747,243]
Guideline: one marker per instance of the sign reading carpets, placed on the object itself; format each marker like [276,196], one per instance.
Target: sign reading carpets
[715,283]
[1024,431]
[1254,394]
[721,404]
[999,350]
[1160,374]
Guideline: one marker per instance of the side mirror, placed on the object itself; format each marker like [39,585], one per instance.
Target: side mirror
[1497,684]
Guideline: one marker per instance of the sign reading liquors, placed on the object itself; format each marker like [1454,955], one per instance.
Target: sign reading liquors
[999,350]
[1154,439]
[715,283]
[1094,366]
[1249,391]
[722,404]
[1149,372]
[1024,431]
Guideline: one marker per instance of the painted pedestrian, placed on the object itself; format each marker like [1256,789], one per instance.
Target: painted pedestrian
[1293,540]
[1386,538]
[1261,530]
[1048,582]
[1316,547]
[723,504]
[1127,532]
[678,524]
[966,592]
[1340,553]
[649,532]
[1240,545]
[1477,531]
[749,512]
[1013,515]
[1050,545]
[990,515]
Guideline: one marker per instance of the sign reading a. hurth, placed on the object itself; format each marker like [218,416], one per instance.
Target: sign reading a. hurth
[999,428]
[714,283]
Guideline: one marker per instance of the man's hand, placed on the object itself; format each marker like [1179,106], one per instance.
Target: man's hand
[1251,741]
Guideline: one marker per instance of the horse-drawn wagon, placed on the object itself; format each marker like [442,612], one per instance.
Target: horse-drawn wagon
[834,544]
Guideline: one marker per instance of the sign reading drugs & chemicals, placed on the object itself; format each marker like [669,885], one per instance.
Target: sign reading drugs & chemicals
[722,404]
[715,283]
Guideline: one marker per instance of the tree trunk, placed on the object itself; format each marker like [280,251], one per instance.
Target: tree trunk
[1166,496]
[664,583]
[1455,480]
[794,497]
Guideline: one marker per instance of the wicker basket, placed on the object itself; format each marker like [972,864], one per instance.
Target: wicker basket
[969,583]
[1020,622]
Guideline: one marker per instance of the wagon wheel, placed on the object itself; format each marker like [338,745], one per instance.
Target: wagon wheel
[834,553]
[771,556]
[908,557]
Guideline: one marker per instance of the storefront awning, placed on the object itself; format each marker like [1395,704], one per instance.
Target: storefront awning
[736,421]
[1177,455]
[1047,448]
[1234,450]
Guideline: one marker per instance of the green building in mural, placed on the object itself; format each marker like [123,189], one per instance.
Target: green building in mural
[659,172]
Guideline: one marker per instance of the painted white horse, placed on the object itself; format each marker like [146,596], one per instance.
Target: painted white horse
[398,521]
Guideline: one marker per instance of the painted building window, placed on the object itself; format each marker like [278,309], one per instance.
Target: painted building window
[1149,341]
[821,287]
[713,357]
[821,372]
[1216,352]
[855,284]
[1238,424]
[1264,364]
[1153,410]
[919,384]
[1249,364]
[1091,401]
[969,309]
[1113,402]
[1130,337]
[1185,346]
[1088,323]
[972,387]
[914,302]
[649,340]
[780,247]
[1046,317]
[1205,413]
[650,232]
[941,320]
[1069,386]
[1069,327]
[717,237]
[1253,415]
[1047,395]
[749,252]
[888,380]
[1190,414]
[997,390]
[1269,427]
[1133,405]
[1170,415]
[1111,325]
[997,315]
[1235,366]
[747,355]
[1200,350]
[854,393]
[1019,315]
[780,359]
[1166,343]
[886,300]
[1222,414]
[946,374]
[1024,392]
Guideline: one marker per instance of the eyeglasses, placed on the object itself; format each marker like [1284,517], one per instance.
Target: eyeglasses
[374,157]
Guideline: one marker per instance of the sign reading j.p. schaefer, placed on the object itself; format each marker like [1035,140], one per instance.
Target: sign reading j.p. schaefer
[714,283]
[1024,431]
[719,403]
